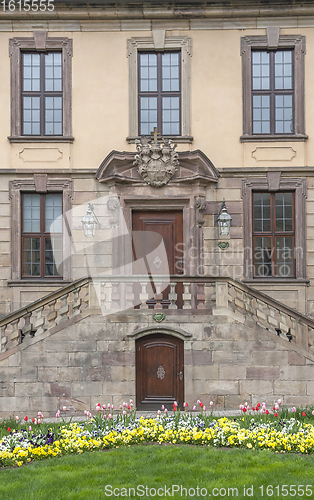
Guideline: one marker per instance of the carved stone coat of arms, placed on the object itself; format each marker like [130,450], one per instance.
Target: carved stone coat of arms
[156,161]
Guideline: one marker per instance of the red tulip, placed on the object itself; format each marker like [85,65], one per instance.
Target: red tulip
[26,418]
[267,412]
[276,414]
[244,409]
[201,405]
[303,414]
[9,429]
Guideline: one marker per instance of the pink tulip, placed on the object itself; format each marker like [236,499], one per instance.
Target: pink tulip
[58,414]
[64,408]
[112,407]
[211,403]
[158,412]
[105,416]
[294,409]
[166,411]
[276,407]
[110,416]
[313,412]
[103,407]
[131,401]
[279,401]
[198,402]
[204,408]
[131,405]
[241,407]
[30,428]
[175,403]
[194,408]
[17,418]
[162,407]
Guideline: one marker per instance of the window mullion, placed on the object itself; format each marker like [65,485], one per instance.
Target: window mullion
[159,91]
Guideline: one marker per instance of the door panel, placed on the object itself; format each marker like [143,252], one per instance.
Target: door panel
[169,227]
[159,371]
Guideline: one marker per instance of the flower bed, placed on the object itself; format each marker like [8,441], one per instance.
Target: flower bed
[286,432]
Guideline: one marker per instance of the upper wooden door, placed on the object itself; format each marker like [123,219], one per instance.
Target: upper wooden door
[151,228]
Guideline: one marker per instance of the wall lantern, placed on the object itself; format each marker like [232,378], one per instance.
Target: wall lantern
[224,220]
[90,221]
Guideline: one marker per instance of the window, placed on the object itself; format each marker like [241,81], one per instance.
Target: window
[272,92]
[40,240]
[273,234]
[159,79]
[274,228]
[40,88]
[159,93]
[42,93]
[41,235]
[273,88]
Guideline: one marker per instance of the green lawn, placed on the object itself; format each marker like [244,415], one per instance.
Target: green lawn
[86,476]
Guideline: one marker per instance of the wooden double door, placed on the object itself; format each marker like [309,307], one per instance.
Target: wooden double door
[159,372]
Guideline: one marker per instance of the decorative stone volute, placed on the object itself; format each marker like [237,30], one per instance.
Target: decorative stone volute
[156,160]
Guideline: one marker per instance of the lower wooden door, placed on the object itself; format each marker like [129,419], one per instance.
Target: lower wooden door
[159,371]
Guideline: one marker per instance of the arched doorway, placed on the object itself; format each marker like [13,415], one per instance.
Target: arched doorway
[159,371]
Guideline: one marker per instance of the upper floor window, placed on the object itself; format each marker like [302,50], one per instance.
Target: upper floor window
[40,88]
[159,92]
[41,235]
[42,93]
[272,92]
[273,234]
[273,88]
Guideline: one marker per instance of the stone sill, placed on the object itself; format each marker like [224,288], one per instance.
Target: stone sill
[38,282]
[274,138]
[174,138]
[36,138]
[277,281]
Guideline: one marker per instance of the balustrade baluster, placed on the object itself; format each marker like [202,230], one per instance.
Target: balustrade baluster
[158,296]
[3,338]
[200,296]
[173,296]
[129,295]
[40,322]
[76,304]
[143,296]
[115,296]
[64,309]
[27,328]
[51,317]
[186,296]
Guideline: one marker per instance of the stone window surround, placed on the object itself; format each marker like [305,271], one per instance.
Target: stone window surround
[157,42]
[40,183]
[39,42]
[273,40]
[274,182]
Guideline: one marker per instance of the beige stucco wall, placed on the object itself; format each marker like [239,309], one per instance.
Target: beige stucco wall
[100,117]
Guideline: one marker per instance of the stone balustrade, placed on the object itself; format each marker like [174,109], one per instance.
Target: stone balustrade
[111,294]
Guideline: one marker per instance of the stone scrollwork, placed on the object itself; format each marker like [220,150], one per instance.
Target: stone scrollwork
[200,207]
[161,372]
[156,161]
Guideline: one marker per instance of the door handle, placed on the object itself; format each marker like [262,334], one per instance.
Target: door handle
[180,374]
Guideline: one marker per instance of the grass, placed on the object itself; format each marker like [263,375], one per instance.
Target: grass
[87,475]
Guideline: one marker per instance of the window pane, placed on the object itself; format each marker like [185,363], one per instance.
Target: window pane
[170,72]
[262,256]
[31,115]
[283,69]
[53,256]
[148,72]
[53,213]
[261,114]
[284,217]
[284,256]
[31,213]
[262,213]
[171,115]
[148,115]
[31,256]
[53,72]
[31,72]
[53,115]
[260,70]
[283,114]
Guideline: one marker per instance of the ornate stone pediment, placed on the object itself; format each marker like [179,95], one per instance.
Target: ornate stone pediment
[130,168]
